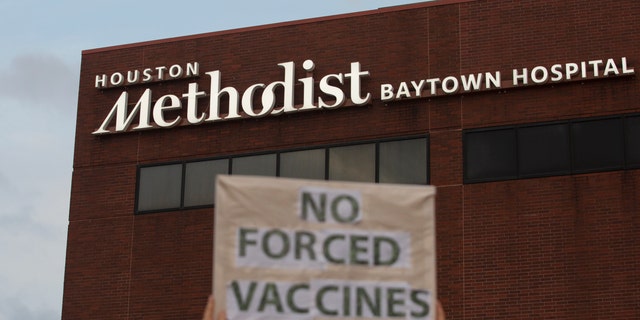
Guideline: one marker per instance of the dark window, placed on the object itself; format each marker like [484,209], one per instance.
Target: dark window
[544,150]
[633,141]
[200,181]
[160,187]
[403,161]
[578,146]
[163,187]
[490,155]
[261,165]
[597,145]
[305,164]
[353,163]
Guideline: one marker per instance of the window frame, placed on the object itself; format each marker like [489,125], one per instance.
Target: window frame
[572,167]
[277,154]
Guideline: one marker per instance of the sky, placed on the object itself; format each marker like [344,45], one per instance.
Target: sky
[40,57]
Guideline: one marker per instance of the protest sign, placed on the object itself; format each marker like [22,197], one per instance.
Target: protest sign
[290,249]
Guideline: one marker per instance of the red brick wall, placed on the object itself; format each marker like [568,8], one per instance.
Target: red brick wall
[550,248]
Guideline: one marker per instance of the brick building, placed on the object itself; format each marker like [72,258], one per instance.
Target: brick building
[525,115]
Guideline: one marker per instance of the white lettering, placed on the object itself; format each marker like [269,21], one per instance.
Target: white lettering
[355,75]
[595,64]
[247,102]
[161,106]
[193,69]
[386,92]
[192,104]
[161,70]
[116,79]
[334,91]
[517,77]
[175,71]
[625,68]
[433,85]
[101,81]
[611,68]
[556,70]
[450,85]
[147,75]
[471,82]
[571,70]
[119,111]
[418,87]
[403,91]
[307,84]
[133,76]
[331,86]
[269,95]
[493,80]
[214,98]
[539,74]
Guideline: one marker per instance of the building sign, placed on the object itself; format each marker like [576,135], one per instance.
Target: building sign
[147,75]
[307,249]
[330,91]
[520,77]
[240,104]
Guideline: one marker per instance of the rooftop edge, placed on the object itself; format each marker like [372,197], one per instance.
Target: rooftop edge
[403,7]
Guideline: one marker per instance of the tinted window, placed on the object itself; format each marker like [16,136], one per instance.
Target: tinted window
[490,155]
[597,145]
[160,187]
[306,164]
[353,163]
[633,141]
[262,165]
[200,181]
[544,150]
[403,161]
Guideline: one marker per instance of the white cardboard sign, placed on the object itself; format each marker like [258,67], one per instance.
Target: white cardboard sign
[307,249]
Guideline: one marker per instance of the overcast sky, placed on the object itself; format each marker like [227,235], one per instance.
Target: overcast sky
[40,57]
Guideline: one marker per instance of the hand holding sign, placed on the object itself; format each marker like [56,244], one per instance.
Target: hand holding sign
[210,310]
